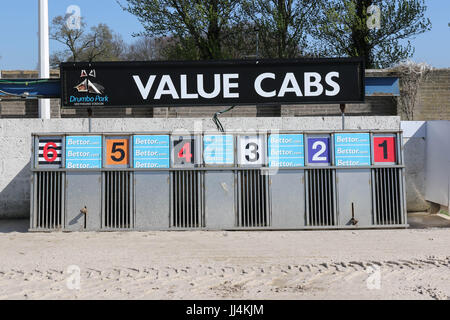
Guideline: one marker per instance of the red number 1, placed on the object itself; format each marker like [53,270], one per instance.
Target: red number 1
[185,152]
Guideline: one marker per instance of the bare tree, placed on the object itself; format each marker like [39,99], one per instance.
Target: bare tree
[412,76]
[146,49]
[80,45]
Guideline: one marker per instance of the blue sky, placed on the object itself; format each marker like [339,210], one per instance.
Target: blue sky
[19,27]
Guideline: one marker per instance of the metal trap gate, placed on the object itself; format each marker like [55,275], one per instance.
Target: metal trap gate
[209,181]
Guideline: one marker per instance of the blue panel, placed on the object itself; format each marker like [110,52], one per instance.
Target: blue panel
[83,152]
[218,149]
[352,149]
[151,151]
[379,86]
[34,87]
[286,150]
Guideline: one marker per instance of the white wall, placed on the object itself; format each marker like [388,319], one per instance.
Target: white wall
[414,148]
[438,162]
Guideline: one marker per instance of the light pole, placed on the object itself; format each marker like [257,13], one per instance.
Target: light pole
[44,55]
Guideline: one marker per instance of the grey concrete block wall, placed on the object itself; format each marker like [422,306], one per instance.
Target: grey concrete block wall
[15,142]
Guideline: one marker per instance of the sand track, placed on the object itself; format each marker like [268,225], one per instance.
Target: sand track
[228,265]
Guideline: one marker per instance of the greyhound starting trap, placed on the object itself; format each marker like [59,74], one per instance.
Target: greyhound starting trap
[232,181]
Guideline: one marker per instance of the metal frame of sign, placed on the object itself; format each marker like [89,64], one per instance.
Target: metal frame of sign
[330,149]
[104,151]
[70,71]
[84,135]
[268,149]
[397,151]
[218,134]
[239,151]
[198,147]
[370,149]
[133,147]
[36,152]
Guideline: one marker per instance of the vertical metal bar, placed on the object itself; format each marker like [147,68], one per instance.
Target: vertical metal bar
[109,199]
[261,199]
[321,194]
[203,199]
[325,196]
[120,197]
[175,198]
[397,197]
[374,202]
[307,196]
[183,196]
[241,198]
[171,219]
[114,195]
[252,195]
[198,212]
[268,203]
[46,201]
[316,209]
[63,199]
[52,200]
[391,196]
[190,196]
[180,204]
[237,186]
[55,200]
[333,184]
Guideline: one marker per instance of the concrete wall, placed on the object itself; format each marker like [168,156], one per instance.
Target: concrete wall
[437,170]
[434,96]
[415,145]
[15,142]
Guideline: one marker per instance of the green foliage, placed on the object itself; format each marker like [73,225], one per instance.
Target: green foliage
[341,30]
[197,27]
[283,25]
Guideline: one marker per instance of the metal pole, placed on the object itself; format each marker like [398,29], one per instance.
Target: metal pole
[342,106]
[44,55]
[257,43]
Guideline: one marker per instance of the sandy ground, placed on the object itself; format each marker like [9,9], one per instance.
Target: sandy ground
[369,264]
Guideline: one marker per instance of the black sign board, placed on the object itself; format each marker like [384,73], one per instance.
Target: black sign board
[208,83]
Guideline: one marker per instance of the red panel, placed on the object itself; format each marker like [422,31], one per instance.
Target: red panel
[384,149]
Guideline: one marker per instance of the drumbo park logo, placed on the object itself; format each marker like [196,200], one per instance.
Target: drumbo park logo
[94,91]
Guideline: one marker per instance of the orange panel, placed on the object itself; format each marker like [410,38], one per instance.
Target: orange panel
[117,151]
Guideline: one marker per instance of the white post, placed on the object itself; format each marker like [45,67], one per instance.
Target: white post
[44,55]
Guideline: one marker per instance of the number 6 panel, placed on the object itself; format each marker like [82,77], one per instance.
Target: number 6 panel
[49,152]
[318,150]
[251,150]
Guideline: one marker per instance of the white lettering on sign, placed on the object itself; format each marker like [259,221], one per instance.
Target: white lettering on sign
[329,80]
[290,84]
[166,81]
[228,85]
[258,83]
